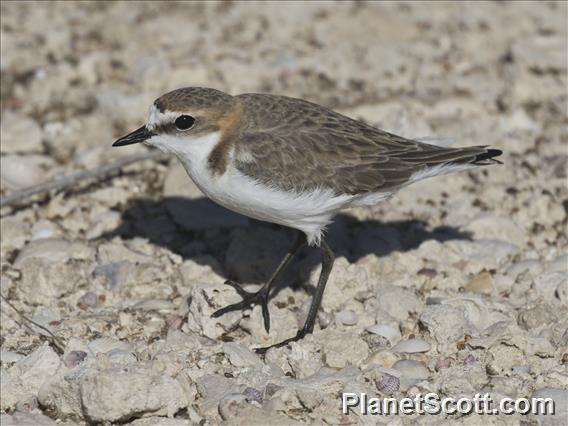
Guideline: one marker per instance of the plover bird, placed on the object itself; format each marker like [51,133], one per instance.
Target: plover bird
[290,162]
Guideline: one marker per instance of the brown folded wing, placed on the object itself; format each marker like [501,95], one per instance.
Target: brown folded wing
[302,146]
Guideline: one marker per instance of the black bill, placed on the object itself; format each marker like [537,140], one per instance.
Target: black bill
[139,135]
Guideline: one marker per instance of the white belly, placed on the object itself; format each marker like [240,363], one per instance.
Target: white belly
[309,212]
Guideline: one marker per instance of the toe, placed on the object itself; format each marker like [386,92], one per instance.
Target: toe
[235,307]
[242,292]
[266,317]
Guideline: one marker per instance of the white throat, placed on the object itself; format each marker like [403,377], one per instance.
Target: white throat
[192,152]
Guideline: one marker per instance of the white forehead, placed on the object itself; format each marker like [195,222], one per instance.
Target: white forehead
[157,117]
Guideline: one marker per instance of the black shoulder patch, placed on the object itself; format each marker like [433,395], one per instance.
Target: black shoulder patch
[160,106]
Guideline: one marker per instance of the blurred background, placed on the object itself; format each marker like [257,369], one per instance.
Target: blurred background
[77,75]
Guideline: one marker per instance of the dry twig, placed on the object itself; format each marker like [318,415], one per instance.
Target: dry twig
[57,341]
[72,179]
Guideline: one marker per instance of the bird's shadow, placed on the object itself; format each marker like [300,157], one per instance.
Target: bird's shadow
[204,232]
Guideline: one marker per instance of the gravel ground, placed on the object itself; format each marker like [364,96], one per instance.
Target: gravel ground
[458,285]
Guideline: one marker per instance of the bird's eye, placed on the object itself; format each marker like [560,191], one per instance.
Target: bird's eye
[184,122]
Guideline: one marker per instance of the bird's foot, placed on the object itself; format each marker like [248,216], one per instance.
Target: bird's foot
[249,299]
[299,336]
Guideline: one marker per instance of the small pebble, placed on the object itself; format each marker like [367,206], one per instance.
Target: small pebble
[9,356]
[230,405]
[443,363]
[428,272]
[347,317]
[388,384]
[482,284]
[88,300]
[74,358]
[174,322]
[469,359]
[28,404]
[412,346]
[154,305]
[390,333]
[252,394]
[412,372]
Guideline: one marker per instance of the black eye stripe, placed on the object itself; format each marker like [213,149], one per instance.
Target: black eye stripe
[184,122]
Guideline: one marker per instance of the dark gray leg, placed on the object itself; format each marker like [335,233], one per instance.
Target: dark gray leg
[327,258]
[261,296]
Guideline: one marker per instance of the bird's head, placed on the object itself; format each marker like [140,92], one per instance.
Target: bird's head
[182,117]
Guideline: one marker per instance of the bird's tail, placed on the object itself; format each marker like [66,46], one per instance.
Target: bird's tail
[488,157]
[441,161]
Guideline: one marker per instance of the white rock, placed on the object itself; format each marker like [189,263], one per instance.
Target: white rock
[280,325]
[537,316]
[390,333]
[18,418]
[44,229]
[341,348]
[121,357]
[13,390]
[490,253]
[18,171]
[20,134]
[476,310]
[15,233]
[240,356]
[559,264]
[212,388]
[411,346]
[305,358]
[519,120]
[534,267]
[120,106]
[165,421]
[345,282]
[539,346]
[10,357]
[111,196]
[547,285]
[207,298]
[412,372]
[108,396]
[98,393]
[115,274]
[53,250]
[535,52]
[200,270]
[447,324]
[231,404]
[48,320]
[458,379]
[107,344]
[113,252]
[399,302]
[38,366]
[384,358]
[347,317]
[154,305]
[74,358]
